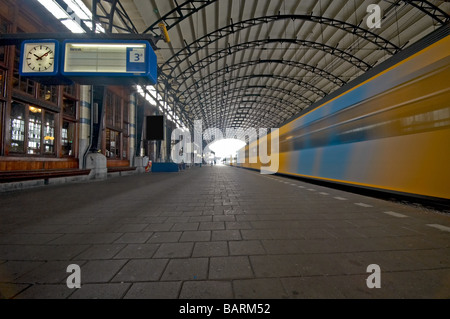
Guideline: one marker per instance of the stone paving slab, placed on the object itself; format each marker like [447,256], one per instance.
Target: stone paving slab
[217,233]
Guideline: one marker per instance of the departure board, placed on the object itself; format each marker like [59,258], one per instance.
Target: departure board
[109,59]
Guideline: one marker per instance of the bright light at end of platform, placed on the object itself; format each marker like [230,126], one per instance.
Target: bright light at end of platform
[226,147]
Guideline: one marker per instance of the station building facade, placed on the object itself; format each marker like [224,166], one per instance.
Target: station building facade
[49,127]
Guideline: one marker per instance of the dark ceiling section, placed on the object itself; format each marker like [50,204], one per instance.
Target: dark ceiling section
[256,63]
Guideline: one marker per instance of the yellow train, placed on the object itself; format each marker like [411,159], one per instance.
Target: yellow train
[390,131]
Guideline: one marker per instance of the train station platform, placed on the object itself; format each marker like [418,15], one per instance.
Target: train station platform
[218,233]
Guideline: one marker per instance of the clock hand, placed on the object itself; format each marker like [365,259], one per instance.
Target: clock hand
[40,58]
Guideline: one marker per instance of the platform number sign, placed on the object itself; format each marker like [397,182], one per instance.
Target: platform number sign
[136,60]
[137,55]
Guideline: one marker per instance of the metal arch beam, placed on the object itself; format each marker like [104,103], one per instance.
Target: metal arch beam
[235,80]
[252,102]
[221,101]
[188,8]
[201,105]
[107,16]
[430,9]
[178,14]
[217,119]
[283,78]
[268,115]
[216,35]
[278,107]
[221,118]
[201,64]
[228,69]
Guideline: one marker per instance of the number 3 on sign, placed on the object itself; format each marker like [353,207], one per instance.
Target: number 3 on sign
[137,56]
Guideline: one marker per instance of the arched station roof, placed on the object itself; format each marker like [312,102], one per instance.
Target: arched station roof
[256,63]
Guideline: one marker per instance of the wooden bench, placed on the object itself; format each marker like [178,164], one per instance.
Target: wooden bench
[17,176]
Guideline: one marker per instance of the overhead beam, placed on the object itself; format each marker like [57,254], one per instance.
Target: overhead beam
[431,10]
[179,14]
[238,66]
[188,72]
[209,39]
[239,79]
[107,12]
[188,8]
[17,38]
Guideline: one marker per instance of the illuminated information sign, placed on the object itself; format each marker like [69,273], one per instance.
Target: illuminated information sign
[113,61]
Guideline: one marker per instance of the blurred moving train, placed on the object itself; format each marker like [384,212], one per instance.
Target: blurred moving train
[388,131]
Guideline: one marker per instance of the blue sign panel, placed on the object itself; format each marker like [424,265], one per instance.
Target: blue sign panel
[108,61]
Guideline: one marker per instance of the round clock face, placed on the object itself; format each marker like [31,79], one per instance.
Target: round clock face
[40,58]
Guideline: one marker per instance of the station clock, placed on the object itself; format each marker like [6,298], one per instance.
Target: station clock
[39,58]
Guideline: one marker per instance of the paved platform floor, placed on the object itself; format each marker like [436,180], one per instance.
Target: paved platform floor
[217,232]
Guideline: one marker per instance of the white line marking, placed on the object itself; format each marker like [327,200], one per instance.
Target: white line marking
[363,205]
[396,214]
[440,227]
[324,194]
[311,190]
[293,185]
[301,186]
[340,198]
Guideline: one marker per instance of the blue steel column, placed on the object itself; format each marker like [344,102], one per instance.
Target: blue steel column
[140,118]
[85,123]
[132,132]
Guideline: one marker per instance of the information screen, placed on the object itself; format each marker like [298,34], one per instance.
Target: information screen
[106,58]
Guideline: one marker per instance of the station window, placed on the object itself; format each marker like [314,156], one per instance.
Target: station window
[125,148]
[20,83]
[109,109]
[4,26]
[69,106]
[126,114]
[17,128]
[49,133]
[69,90]
[117,111]
[69,101]
[112,144]
[48,93]
[67,138]
[34,130]
[2,82]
